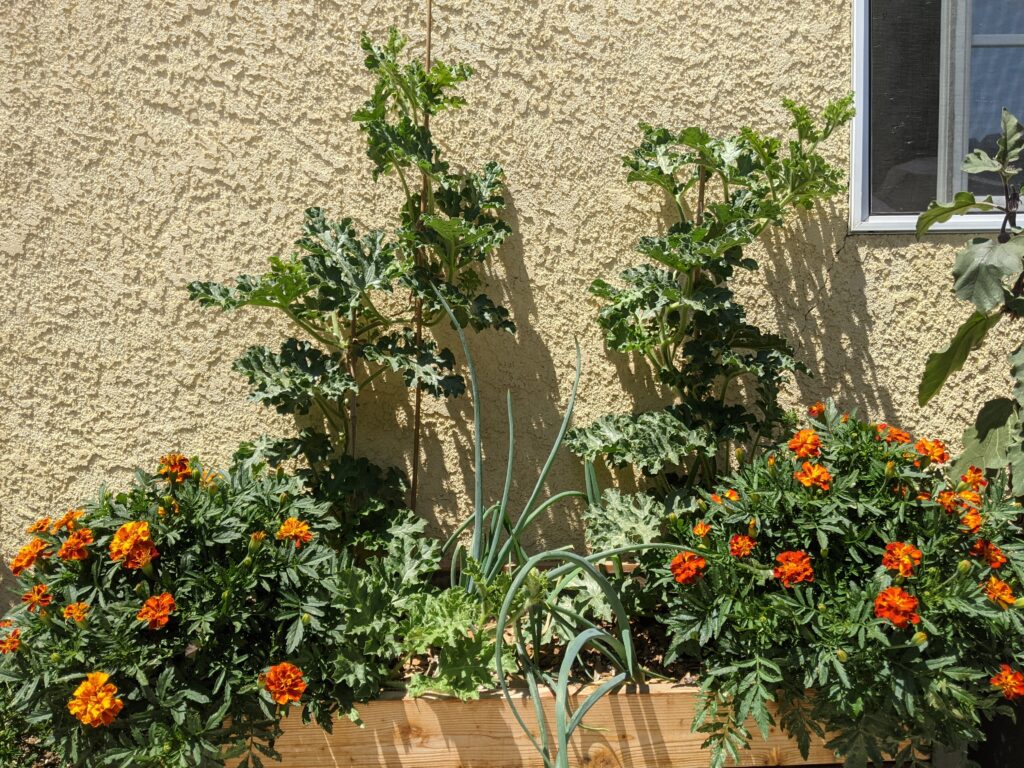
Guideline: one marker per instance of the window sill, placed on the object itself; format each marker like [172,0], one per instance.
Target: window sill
[907,224]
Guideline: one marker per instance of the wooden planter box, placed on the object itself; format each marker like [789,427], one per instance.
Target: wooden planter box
[628,729]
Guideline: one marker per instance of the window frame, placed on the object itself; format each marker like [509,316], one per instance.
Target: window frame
[956,42]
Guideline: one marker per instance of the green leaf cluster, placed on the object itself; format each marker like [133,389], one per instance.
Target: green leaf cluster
[680,314]
[360,301]
[244,600]
[818,650]
[988,273]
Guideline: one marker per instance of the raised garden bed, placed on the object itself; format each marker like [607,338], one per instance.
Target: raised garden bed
[641,728]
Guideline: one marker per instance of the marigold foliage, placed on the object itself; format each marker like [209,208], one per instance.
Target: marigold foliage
[162,665]
[902,633]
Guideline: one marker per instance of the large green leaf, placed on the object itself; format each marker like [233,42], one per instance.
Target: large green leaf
[983,266]
[623,520]
[963,202]
[941,365]
[295,378]
[420,362]
[987,441]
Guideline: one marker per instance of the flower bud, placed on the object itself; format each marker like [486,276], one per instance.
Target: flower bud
[890,468]
[672,517]
[741,454]
[247,561]
[141,590]
[842,656]
[752,528]
[306,618]
[1019,602]
[919,638]
[55,658]
[964,566]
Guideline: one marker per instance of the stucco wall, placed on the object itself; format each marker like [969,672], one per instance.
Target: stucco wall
[149,143]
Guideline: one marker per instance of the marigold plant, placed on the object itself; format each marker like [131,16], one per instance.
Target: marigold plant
[866,609]
[174,631]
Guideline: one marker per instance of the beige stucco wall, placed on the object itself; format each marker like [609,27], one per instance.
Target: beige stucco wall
[149,143]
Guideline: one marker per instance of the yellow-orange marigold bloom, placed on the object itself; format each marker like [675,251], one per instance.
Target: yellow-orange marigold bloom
[687,567]
[37,598]
[810,475]
[732,495]
[132,545]
[969,498]
[793,568]
[805,444]
[11,643]
[174,468]
[1009,681]
[892,434]
[741,545]
[39,526]
[75,546]
[897,606]
[990,553]
[175,508]
[68,520]
[284,683]
[902,558]
[701,529]
[295,530]
[814,411]
[157,610]
[999,592]
[934,450]
[28,555]
[974,477]
[95,701]
[76,611]
[972,521]
[6,623]
[948,501]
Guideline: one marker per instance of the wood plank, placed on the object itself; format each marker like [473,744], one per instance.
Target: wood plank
[649,729]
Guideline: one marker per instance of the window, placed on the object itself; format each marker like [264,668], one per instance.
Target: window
[931,77]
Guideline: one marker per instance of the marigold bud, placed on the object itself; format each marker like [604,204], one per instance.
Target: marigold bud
[672,517]
[54,658]
[964,566]
[842,655]
[919,638]
[741,454]
[752,528]
[890,468]
[1019,602]
[141,590]
[247,561]
[306,618]
[821,607]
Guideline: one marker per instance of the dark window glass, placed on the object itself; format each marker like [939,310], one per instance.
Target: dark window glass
[903,140]
[996,76]
[997,17]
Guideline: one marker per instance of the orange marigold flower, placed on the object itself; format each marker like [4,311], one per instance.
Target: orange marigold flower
[844,418]
[771,460]
[687,567]
[902,558]
[701,529]
[793,568]
[1009,681]
[891,434]
[95,701]
[716,498]
[934,450]
[39,526]
[284,683]
[811,475]
[157,610]
[209,479]
[970,498]
[28,555]
[923,496]
[11,643]
[174,468]
[732,495]
[989,552]
[75,546]
[37,598]
[258,535]
[999,592]
[897,606]
[295,530]
[175,508]
[948,501]
[974,477]
[133,545]
[805,444]
[68,520]
[6,623]
[76,611]
[741,546]
[972,521]
[814,411]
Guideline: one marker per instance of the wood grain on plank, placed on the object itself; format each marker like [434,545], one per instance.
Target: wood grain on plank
[628,729]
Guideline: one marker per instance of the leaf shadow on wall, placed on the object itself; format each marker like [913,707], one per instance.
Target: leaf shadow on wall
[814,276]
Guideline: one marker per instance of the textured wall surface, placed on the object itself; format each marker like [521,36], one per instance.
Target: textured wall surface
[146,144]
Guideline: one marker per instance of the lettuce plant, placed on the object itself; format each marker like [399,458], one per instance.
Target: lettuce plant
[176,622]
[848,579]
[360,301]
[989,273]
[679,313]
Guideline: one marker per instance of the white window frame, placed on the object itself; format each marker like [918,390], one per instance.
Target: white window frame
[954,78]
